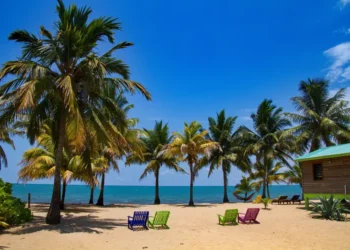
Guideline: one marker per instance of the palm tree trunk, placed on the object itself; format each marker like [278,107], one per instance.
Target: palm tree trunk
[225,200]
[191,203]
[63,195]
[268,190]
[264,178]
[100,198]
[157,199]
[54,214]
[91,201]
[245,197]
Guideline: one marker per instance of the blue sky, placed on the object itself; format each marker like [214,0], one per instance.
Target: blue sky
[199,57]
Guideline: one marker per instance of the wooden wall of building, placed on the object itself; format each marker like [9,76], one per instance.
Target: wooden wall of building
[336,174]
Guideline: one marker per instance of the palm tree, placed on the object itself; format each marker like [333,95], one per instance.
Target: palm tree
[267,174]
[270,141]
[322,119]
[294,175]
[39,163]
[61,77]
[5,133]
[228,151]
[154,141]
[189,147]
[245,186]
[129,139]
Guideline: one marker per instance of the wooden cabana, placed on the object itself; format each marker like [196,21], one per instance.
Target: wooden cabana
[325,172]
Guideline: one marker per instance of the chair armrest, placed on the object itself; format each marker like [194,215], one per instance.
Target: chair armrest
[129,217]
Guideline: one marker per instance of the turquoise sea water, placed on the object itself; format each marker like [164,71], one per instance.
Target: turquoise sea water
[139,194]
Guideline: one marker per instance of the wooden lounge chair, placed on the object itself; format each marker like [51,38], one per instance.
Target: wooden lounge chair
[279,200]
[159,220]
[249,216]
[258,199]
[229,217]
[138,220]
[293,200]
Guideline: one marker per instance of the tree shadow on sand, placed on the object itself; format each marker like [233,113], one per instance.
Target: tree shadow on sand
[70,224]
[197,205]
[3,247]
[75,209]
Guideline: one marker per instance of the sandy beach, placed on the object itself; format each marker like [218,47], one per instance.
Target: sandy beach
[90,227]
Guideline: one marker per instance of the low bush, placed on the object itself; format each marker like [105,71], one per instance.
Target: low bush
[266,202]
[12,209]
[330,209]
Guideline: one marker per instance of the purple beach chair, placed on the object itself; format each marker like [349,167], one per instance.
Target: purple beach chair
[249,216]
[139,219]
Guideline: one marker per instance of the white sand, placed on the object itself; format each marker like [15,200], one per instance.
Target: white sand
[89,227]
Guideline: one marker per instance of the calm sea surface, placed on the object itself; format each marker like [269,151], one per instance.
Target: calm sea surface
[140,194]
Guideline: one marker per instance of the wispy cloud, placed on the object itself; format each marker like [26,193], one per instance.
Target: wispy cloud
[340,57]
[343,3]
[343,30]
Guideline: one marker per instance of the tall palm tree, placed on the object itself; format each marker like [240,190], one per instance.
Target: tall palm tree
[130,139]
[60,76]
[154,141]
[229,148]
[189,147]
[322,119]
[270,140]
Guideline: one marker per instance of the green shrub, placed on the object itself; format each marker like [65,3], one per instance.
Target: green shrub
[266,202]
[12,209]
[330,209]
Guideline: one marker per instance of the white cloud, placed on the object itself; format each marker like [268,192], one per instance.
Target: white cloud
[340,57]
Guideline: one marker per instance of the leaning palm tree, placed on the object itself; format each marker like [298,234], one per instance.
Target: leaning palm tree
[246,186]
[322,119]
[189,147]
[154,141]
[229,149]
[60,76]
[270,140]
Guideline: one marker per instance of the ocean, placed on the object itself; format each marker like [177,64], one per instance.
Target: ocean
[41,193]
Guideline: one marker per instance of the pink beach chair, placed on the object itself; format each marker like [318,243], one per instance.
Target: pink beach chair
[249,216]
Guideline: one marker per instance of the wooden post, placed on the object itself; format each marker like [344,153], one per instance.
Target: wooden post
[28,200]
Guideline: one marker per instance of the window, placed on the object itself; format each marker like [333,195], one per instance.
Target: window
[318,172]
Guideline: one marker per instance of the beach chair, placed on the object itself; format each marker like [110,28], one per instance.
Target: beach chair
[258,199]
[293,200]
[249,216]
[229,217]
[279,200]
[138,220]
[159,220]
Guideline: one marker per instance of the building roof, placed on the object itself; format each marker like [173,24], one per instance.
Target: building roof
[328,152]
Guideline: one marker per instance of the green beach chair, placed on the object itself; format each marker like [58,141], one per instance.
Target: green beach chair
[160,219]
[229,217]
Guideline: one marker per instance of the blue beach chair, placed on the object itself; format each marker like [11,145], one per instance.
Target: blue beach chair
[139,219]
